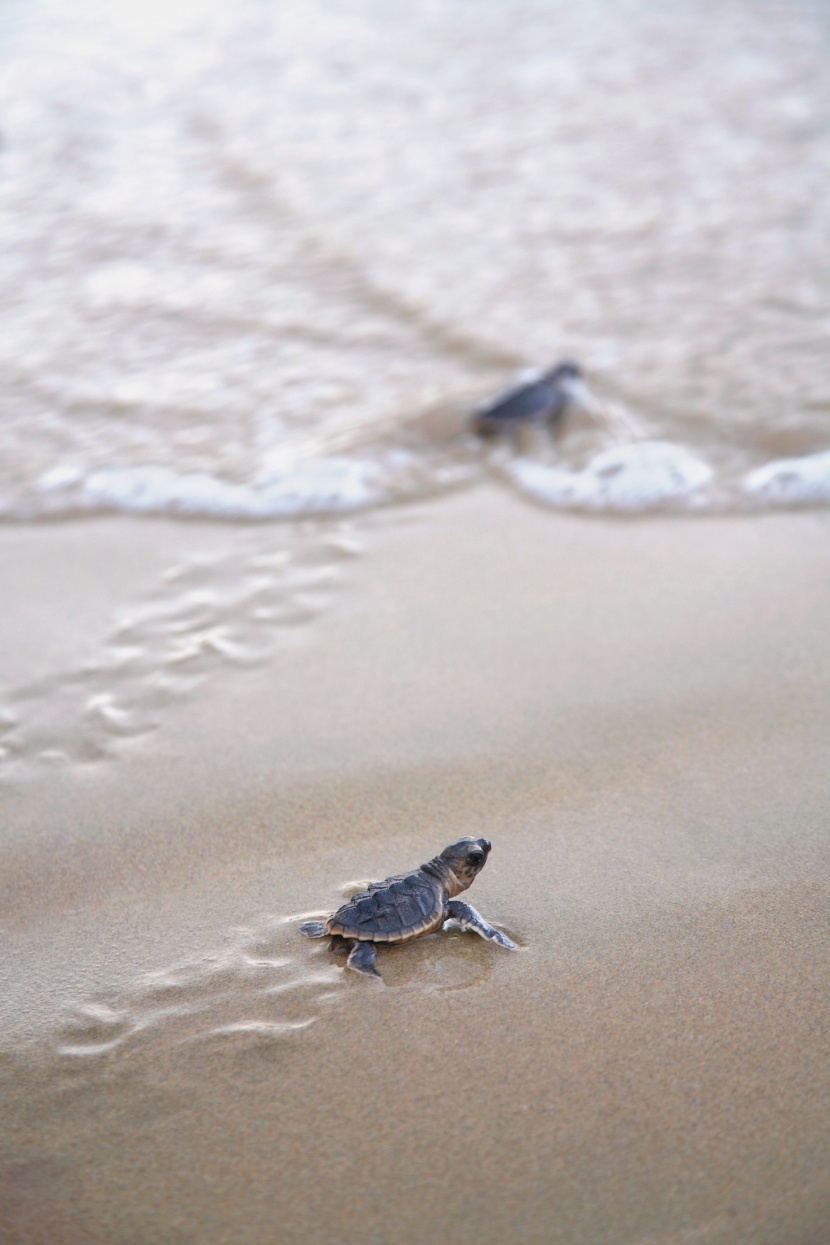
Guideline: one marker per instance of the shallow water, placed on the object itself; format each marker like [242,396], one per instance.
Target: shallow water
[260,261]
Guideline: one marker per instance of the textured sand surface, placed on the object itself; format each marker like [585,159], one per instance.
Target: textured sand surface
[636,714]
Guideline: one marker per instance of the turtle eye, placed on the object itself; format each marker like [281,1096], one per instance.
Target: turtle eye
[474,859]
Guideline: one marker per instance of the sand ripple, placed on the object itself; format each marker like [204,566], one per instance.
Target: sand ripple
[232,609]
[250,994]
[266,985]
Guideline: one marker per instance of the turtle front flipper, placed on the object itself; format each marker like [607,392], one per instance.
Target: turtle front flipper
[468,918]
[362,959]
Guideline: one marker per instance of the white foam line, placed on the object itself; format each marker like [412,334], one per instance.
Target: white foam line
[792,481]
[326,486]
[632,478]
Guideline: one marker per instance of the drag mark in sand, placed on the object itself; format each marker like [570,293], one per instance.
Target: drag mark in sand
[240,1002]
[248,996]
[211,614]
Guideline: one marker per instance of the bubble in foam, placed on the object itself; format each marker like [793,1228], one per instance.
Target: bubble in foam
[641,476]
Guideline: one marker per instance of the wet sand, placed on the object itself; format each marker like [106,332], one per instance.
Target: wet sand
[636,714]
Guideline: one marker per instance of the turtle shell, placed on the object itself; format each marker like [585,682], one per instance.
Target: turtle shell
[532,402]
[400,908]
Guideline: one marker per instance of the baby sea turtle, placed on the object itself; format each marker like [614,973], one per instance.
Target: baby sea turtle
[409,905]
[539,399]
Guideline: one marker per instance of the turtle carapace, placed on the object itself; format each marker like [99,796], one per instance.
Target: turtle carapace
[409,905]
[536,399]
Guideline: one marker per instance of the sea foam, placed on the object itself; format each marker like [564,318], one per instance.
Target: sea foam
[792,481]
[631,478]
[322,486]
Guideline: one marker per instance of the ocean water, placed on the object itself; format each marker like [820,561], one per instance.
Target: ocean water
[259,263]
[260,260]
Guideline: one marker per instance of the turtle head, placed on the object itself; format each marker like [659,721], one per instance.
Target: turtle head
[568,378]
[466,859]
[565,371]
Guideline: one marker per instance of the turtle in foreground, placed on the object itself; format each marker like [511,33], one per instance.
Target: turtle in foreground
[409,905]
[538,399]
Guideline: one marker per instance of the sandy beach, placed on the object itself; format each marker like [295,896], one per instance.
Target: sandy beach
[413,425]
[635,713]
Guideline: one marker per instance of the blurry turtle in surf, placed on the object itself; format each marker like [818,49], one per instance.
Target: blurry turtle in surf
[539,400]
[409,905]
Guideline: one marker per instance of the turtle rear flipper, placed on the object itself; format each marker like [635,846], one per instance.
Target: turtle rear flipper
[362,959]
[314,929]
